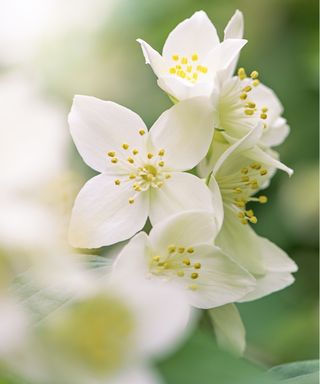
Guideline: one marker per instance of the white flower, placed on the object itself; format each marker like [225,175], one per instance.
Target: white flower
[237,179]
[180,251]
[140,170]
[192,55]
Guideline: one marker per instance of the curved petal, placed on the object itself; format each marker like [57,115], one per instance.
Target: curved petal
[220,280]
[194,35]
[276,134]
[153,58]
[102,215]
[217,202]
[223,54]
[234,28]
[185,132]
[182,192]
[99,126]
[135,375]
[183,229]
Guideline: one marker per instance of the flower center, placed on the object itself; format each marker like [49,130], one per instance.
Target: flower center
[178,261]
[187,68]
[142,171]
[237,190]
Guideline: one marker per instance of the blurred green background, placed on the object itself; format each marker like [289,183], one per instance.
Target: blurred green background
[104,60]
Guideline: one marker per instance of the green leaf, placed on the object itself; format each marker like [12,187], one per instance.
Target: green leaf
[300,372]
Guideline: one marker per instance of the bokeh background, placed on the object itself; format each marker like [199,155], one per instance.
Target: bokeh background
[53,49]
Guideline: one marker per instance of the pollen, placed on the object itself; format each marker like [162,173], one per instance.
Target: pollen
[131,200]
[254,74]
[161,163]
[132,176]
[194,275]
[181,250]
[193,287]
[125,146]
[253,220]
[172,70]
[197,265]
[255,83]
[156,258]
[117,182]
[263,199]
[263,116]
[135,151]
[184,60]
[175,57]
[250,104]
[263,172]
[111,154]
[194,57]
[247,88]
[171,248]
[243,96]
[161,152]
[195,76]
[249,112]
[180,273]
[190,250]
[114,160]
[130,160]
[142,132]
[149,155]
[242,73]
[264,109]
[189,68]
[186,261]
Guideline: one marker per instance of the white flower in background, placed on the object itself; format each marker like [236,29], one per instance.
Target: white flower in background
[141,171]
[180,251]
[238,179]
[193,55]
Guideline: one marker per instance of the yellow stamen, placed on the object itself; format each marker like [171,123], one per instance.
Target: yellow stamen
[255,83]
[181,250]
[249,112]
[135,151]
[250,104]
[171,248]
[254,74]
[195,76]
[197,265]
[186,261]
[156,258]
[114,160]
[130,160]
[180,273]
[161,163]
[184,60]
[194,275]
[111,154]
[172,70]
[131,200]
[117,182]
[263,116]
[242,73]
[194,57]
[161,152]
[132,176]
[263,199]
[142,132]
[247,88]
[263,172]
[125,146]
[243,96]
[175,57]
[253,220]
[190,250]
[150,155]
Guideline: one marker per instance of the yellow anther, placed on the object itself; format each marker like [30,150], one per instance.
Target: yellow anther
[264,116]
[181,250]
[184,60]
[114,160]
[254,185]
[168,176]
[195,76]
[136,187]
[186,261]
[117,182]
[132,176]
[237,190]
[161,263]
[130,160]
[156,258]
[194,275]
[264,109]
[125,146]
[242,73]
[263,199]
[142,132]
[175,57]
[149,155]
[182,74]
[254,74]
[171,248]
[247,88]
[245,179]
[161,152]
[253,220]
[240,204]
[255,165]
[249,112]
[131,200]
[263,172]
[159,184]
[172,70]
[250,213]
[193,287]
[255,83]
[180,273]
[194,57]
[241,215]
[250,104]
[199,68]
[135,151]
[204,69]
[189,68]
[178,66]
[161,163]
[243,96]
[111,154]
[244,221]
[197,265]
[190,250]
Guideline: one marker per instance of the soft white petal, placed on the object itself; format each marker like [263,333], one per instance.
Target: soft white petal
[276,134]
[99,126]
[185,132]
[136,375]
[153,58]
[234,28]
[217,202]
[223,54]
[102,215]
[182,192]
[229,329]
[183,229]
[194,35]
[220,280]
[269,283]
[239,242]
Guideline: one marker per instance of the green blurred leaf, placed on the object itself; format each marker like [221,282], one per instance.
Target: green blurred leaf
[300,372]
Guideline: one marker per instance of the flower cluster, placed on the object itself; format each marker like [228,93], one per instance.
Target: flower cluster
[223,125]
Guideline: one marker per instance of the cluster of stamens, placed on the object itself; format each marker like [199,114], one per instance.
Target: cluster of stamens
[250,107]
[142,172]
[180,261]
[237,190]
[187,68]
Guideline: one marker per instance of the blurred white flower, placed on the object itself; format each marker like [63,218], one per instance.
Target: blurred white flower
[141,171]
[193,55]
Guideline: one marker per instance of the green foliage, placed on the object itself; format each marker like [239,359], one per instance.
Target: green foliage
[300,372]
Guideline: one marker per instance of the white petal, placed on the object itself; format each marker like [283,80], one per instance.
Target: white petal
[153,58]
[223,54]
[276,133]
[234,28]
[194,35]
[269,283]
[220,280]
[102,215]
[185,132]
[135,375]
[239,242]
[217,202]
[229,329]
[182,192]
[99,126]
[183,229]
